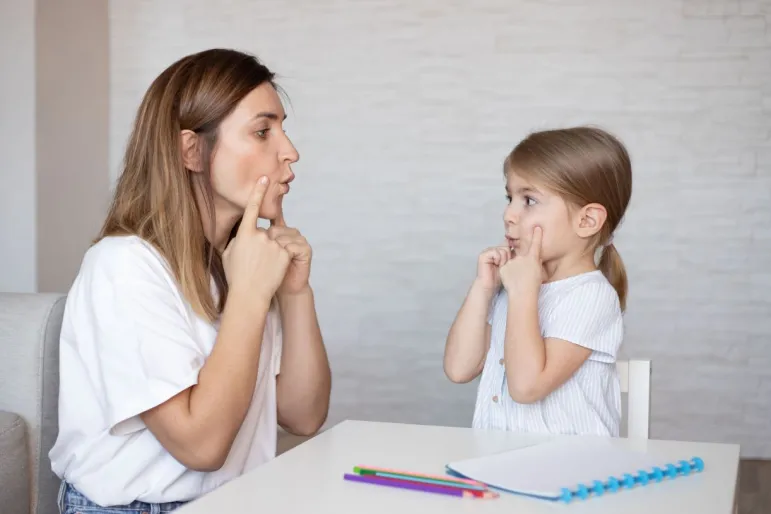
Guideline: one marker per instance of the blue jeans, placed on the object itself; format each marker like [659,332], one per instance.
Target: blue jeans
[71,501]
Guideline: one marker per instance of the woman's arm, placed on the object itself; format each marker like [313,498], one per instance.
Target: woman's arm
[303,386]
[198,425]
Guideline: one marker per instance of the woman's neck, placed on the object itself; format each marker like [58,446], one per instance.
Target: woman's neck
[225,217]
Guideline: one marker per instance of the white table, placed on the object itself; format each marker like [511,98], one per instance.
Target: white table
[309,478]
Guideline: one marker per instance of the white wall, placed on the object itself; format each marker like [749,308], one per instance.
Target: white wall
[403,112]
[73,178]
[17,146]
[54,177]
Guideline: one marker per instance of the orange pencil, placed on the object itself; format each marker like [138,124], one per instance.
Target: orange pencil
[416,486]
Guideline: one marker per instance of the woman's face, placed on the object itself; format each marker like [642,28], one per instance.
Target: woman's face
[251,143]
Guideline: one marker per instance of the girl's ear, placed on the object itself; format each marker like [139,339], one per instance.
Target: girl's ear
[191,154]
[590,220]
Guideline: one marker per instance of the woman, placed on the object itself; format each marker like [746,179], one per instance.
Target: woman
[185,310]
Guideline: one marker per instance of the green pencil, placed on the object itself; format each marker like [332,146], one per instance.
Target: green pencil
[419,477]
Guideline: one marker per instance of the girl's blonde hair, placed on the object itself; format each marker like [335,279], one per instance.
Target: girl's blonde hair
[154,198]
[583,165]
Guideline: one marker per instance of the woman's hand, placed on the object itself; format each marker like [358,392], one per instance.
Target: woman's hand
[290,239]
[254,262]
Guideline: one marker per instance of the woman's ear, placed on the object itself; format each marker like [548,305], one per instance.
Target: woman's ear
[590,220]
[191,151]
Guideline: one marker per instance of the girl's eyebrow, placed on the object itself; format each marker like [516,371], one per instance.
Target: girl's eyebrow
[524,190]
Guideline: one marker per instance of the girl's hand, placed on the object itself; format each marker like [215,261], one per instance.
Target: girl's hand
[488,265]
[254,263]
[523,274]
[290,239]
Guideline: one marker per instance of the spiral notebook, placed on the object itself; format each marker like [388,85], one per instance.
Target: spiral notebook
[573,468]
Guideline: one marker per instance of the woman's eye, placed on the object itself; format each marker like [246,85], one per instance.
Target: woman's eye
[529,201]
[262,134]
[508,198]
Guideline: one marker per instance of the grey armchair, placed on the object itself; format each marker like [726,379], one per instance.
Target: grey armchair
[29,387]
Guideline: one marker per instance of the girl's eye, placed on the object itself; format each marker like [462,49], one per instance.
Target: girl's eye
[262,134]
[508,198]
[529,201]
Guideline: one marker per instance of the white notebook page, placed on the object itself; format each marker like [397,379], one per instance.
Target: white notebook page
[544,469]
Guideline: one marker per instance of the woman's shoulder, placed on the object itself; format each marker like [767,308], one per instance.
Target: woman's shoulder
[123,258]
[123,274]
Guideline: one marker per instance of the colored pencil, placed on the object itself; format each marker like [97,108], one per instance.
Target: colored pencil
[418,478]
[416,486]
[444,478]
[484,493]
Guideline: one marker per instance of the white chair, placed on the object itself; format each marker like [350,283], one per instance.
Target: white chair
[635,378]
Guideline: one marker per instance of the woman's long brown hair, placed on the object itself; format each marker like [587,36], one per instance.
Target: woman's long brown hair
[155,197]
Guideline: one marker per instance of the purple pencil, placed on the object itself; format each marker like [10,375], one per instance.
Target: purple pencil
[417,486]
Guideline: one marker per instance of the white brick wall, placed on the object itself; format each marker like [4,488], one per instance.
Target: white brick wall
[403,111]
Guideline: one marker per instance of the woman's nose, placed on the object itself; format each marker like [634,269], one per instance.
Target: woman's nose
[288,151]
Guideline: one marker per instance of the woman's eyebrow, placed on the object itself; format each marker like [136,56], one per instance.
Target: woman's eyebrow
[267,114]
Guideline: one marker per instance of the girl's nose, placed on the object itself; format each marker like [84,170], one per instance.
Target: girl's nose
[510,215]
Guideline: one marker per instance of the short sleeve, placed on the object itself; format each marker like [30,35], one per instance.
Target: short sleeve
[589,315]
[146,347]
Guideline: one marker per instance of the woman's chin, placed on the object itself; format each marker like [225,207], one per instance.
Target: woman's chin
[271,209]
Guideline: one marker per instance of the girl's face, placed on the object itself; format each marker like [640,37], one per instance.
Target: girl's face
[531,205]
[251,143]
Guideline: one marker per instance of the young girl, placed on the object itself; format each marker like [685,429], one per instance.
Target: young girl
[546,341]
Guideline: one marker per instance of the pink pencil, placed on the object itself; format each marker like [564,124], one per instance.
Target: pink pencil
[415,486]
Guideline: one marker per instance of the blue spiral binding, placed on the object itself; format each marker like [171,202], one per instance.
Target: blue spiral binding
[628,480]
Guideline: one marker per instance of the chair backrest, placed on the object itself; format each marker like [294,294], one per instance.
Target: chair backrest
[29,382]
[635,378]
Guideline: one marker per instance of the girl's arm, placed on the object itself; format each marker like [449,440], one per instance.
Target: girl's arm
[535,366]
[304,383]
[469,338]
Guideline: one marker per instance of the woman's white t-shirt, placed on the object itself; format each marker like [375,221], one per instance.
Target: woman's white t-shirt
[129,342]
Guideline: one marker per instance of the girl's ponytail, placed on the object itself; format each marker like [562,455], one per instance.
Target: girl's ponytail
[612,267]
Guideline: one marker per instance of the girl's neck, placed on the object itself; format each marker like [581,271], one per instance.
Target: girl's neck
[569,266]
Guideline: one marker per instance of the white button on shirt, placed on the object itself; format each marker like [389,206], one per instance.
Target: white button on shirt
[584,310]
[129,342]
